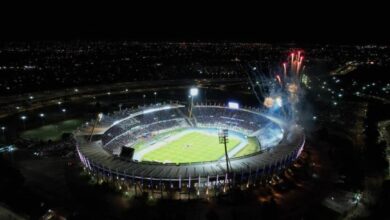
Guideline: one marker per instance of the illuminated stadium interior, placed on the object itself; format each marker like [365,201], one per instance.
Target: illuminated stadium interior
[173,151]
[187,146]
[166,135]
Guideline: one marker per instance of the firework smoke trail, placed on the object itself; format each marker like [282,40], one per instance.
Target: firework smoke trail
[279,80]
[279,92]
[253,86]
[285,70]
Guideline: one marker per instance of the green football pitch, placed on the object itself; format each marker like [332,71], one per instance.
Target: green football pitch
[194,146]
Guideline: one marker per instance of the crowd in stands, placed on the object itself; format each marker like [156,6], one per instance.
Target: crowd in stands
[226,117]
[131,136]
[142,120]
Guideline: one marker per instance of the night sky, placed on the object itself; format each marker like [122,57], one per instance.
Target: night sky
[328,23]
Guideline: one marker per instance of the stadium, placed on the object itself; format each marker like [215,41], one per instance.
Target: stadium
[177,150]
[203,149]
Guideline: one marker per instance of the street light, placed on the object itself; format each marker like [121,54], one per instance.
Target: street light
[63,110]
[143,97]
[23,117]
[41,115]
[193,92]
[3,129]
[155,97]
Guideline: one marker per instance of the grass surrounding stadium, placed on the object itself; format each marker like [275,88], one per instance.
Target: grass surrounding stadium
[52,131]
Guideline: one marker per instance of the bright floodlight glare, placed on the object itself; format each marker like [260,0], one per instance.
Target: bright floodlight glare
[233,105]
[194,91]
[100,116]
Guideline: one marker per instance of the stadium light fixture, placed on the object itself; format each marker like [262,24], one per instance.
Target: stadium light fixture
[100,116]
[194,91]
[233,105]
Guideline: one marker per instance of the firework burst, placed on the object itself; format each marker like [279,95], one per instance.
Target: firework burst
[279,93]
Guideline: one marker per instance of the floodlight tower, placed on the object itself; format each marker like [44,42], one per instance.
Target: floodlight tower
[193,92]
[98,119]
[223,139]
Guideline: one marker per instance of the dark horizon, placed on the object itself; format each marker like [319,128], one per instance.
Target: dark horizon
[334,26]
